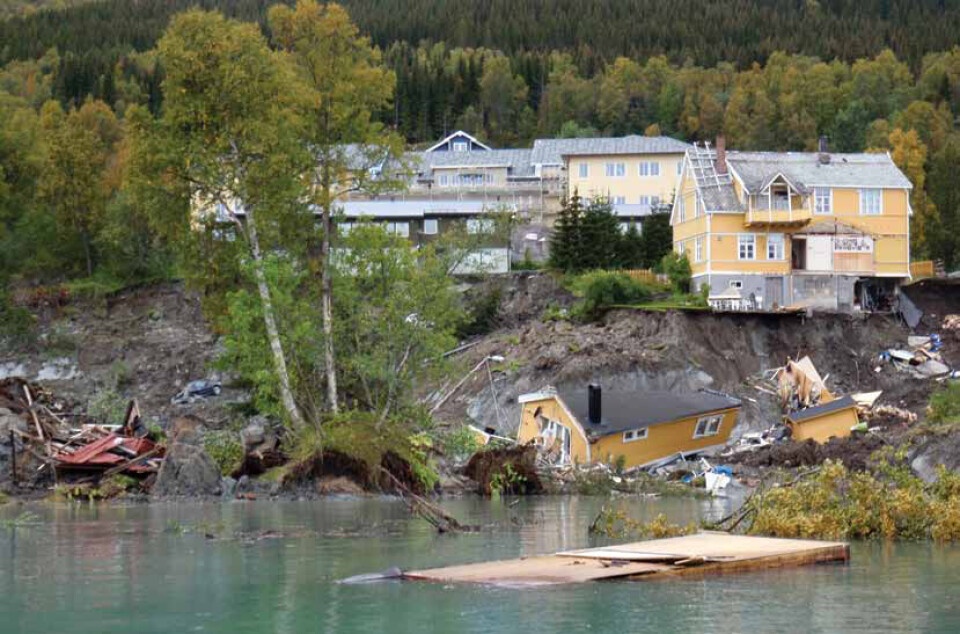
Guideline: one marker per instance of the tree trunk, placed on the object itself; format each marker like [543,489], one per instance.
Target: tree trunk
[326,299]
[85,239]
[279,359]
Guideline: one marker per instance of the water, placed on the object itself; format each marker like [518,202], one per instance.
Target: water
[144,569]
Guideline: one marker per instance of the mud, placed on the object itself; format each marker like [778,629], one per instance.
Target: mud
[854,452]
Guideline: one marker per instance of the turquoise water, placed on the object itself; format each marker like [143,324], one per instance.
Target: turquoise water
[143,569]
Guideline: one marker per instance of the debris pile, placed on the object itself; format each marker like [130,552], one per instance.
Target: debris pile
[922,359]
[40,430]
[951,322]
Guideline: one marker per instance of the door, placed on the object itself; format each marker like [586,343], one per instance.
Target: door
[773,292]
[819,253]
[798,254]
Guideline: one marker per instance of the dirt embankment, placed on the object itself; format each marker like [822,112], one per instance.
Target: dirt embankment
[631,349]
[145,343]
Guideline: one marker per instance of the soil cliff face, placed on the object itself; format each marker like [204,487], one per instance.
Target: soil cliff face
[632,349]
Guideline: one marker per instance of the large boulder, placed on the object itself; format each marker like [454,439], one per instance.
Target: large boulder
[261,447]
[187,470]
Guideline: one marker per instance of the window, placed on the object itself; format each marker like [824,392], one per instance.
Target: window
[430,226]
[708,426]
[616,170]
[747,246]
[584,170]
[683,209]
[775,246]
[736,284]
[871,202]
[644,200]
[460,146]
[649,168]
[401,229]
[624,227]
[443,180]
[634,434]
[823,200]
[344,228]
[698,255]
[654,200]
[620,200]
[479,225]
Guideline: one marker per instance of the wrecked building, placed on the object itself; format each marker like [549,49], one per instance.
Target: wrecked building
[793,230]
[587,425]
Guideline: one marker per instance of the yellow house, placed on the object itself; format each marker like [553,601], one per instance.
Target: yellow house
[823,422]
[770,230]
[638,174]
[586,425]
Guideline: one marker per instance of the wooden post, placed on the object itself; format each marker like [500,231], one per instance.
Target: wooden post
[13,458]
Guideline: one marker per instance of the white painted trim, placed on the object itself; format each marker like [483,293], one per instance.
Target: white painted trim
[736,175]
[860,193]
[583,433]
[534,396]
[458,133]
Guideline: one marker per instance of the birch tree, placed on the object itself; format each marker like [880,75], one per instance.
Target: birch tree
[342,85]
[227,140]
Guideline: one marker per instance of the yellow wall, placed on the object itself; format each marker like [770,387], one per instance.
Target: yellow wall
[662,441]
[822,428]
[631,185]
[552,409]
[890,230]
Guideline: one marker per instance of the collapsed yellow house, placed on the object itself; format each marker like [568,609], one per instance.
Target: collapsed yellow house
[814,412]
[587,425]
[804,230]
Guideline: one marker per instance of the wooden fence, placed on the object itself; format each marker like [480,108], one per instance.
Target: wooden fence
[645,275]
[920,270]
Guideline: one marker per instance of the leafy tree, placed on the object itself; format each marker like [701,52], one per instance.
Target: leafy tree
[341,85]
[944,240]
[502,95]
[677,269]
[226,141]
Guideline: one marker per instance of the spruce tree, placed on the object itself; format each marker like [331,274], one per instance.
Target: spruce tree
[566,242]
[601,236]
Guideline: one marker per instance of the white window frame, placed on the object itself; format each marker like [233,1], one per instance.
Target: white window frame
[683,208]
[746,240]
[431,226]
[644,200]
[619,200]
[633,435]
[461,146]
[708,426]
[775,240]
[863,207]
[477,226]
[822,201]
[698,249]
[648,168]
[584,170]
[616,170]
[442,180]
[399,228]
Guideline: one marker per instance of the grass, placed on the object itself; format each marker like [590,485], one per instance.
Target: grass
[945,405]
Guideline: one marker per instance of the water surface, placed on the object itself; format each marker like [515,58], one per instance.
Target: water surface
[206,567]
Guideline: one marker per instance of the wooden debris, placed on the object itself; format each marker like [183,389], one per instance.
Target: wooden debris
[703,553]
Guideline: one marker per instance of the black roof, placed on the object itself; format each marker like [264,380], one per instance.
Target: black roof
[638,409]
[820,410]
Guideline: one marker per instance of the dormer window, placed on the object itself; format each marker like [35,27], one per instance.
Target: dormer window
[461,146]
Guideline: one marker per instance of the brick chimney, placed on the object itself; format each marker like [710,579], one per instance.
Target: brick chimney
[721,154]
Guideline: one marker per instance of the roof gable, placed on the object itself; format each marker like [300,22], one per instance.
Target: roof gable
[446,145]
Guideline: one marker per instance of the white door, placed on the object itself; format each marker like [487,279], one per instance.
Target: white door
[819,253]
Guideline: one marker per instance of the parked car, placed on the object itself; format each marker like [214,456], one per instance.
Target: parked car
[196,390]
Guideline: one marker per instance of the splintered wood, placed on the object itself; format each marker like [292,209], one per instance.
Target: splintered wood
[703,553]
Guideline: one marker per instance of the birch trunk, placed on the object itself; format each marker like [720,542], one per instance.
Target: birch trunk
[276,348]
[326,298]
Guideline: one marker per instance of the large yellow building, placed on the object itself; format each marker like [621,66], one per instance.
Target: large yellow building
[769,230]
[585,425]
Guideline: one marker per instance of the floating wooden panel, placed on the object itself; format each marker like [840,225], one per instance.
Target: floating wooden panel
[703,553]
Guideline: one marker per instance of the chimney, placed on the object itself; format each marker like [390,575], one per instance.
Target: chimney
[593,404]
[823,150]
[721,155]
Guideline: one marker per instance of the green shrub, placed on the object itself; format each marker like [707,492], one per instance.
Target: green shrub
[945,404]
[460,443]
[599,290]
[483,315]
[225,449]
[677,269]
[107,407]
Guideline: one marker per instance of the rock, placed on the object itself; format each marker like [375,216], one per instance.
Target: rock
[260,447]
[228,488]
[187,469]
[338,485]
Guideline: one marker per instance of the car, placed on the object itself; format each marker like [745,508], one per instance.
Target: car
[196,390]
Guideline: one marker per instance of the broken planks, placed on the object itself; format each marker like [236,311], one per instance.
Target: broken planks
[702,553]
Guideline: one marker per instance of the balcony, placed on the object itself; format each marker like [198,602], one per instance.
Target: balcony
[778,211]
